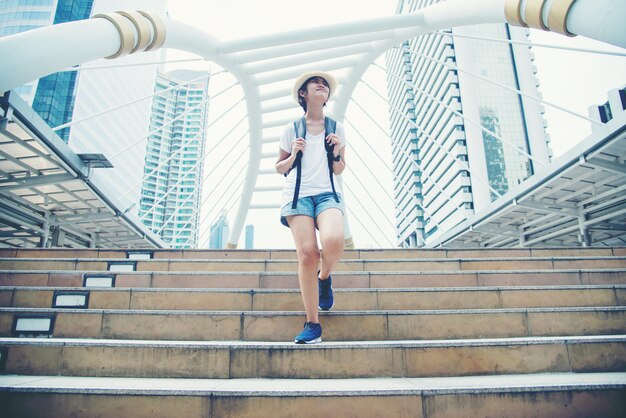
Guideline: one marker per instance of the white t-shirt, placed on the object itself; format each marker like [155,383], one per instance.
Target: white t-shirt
[315,176]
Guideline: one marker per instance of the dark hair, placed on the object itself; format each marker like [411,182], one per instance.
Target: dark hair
[302,88]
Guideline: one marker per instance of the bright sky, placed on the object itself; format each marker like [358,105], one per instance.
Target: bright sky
[570,79]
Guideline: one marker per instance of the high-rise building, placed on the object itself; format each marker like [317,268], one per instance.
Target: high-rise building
[52,97]
[19,16]
[121,135]
[249,237]
[447,164]
[218,234]
[171,190]
[66,96]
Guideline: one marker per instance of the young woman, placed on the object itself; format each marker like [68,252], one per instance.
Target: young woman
[315,205]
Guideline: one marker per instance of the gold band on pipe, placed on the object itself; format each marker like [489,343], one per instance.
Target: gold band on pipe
[142,25]
[513,13]
[557,17]
[534,14]
[125,30]
[158,38]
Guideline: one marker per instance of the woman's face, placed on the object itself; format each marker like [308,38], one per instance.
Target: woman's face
[318,87]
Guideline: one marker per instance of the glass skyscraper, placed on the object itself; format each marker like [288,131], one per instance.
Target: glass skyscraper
[121,134]
[172,184]
[218,234]
[19,16]
[52,97]
[446,165]
[249,237]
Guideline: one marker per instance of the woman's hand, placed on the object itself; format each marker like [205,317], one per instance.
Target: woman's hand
[333,139]
[298,145]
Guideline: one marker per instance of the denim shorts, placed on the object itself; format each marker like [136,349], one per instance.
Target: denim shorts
[311,206]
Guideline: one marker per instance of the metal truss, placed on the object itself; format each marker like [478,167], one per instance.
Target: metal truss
[580,199]
[47,197]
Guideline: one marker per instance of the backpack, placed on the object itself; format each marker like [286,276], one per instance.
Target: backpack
[299,126]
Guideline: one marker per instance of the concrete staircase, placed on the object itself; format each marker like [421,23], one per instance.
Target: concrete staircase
[414,333]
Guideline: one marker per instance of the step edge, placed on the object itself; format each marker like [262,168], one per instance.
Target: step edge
[524,383]
[262,345]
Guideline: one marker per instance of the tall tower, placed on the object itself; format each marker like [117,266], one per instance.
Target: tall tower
[249,237]
[172,184]
[446,168]
[121,135]
[218,237]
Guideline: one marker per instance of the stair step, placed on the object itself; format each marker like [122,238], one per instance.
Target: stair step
[552,394]
[240,265]
[291,254]
[283,280]
[500,332]
[348,325]
[233,359]
[290,300]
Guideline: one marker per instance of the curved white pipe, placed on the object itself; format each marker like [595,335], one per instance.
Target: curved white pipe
[603,20]
[33,54]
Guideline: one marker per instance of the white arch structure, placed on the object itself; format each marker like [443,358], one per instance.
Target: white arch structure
[257,62]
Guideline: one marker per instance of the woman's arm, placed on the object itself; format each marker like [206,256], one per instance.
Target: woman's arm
[339,166]
[285,161]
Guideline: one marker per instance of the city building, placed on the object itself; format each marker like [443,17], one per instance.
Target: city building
[52,96]
[67,96]
[218,234]
[249,237]
[121,135]
[459,141]
[171,188]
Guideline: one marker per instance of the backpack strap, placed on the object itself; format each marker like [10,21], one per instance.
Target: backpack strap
[330,127]
[298,126]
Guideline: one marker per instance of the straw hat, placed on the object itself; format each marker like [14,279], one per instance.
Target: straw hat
[332,82]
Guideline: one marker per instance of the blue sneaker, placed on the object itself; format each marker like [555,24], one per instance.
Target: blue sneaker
[325,288]
[311,334]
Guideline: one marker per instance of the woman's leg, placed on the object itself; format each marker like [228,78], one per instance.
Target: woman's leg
[330,224]
[303,231]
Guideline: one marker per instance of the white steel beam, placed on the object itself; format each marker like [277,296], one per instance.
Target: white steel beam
[277,123]
[324,32]
[271,140]
[548,207]
[83,217]
[291,73]
[621,190]
[277,93]
[263,54]
[606,165]
[276,107]
[34,181]
[307,59]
